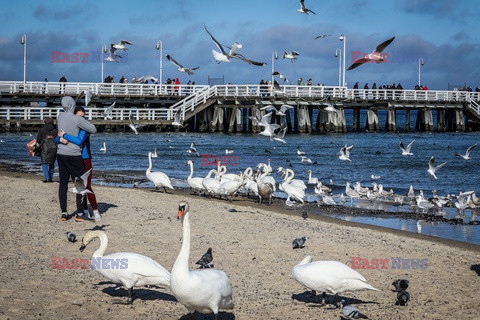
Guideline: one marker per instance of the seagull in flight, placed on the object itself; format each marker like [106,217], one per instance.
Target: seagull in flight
[292,55]
[374,56]
[278,112]
[224,56]
[177,122]
[133,126]
[281,76]
[345,153]
[466,156]
[145,79]
[180,67]
[193,149]
[322,36]
[279,136]
[113,56]
[80,184]
[121,45]
[108,112]
[304,9]
[406,151]
[431,167]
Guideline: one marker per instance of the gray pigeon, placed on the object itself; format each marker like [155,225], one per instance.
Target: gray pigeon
[304,214]
[71,237]
[351,312]
[400,284]
[402,298]
[205,261]
[299,243]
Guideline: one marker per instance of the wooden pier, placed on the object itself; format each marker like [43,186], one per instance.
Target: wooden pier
[228,108]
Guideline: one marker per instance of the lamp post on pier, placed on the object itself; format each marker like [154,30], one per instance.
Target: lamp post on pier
[338,54]
[104,50]
[344,39]
[24,43]
[159,46]
[274,57]
[420,63]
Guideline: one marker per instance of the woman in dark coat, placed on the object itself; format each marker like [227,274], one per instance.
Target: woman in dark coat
[45,141]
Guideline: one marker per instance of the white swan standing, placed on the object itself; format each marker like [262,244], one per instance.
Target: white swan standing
[290,189]
[230,187]
[205,290]
[210,184]
[330,277]
[158,178]
[133,269]
[194,183]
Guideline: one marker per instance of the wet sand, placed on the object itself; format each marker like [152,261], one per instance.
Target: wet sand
[252,245]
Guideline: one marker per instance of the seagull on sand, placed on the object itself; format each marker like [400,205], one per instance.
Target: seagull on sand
[345,153]
[292,55]
[224,56]
[304,9]
[281,76]
[80,184]
[180,67]
[108,112]
[406,151]
[431,167]
[374,56]
[278,112]
[466,156]
[121,45]
[321,36]
[113,56]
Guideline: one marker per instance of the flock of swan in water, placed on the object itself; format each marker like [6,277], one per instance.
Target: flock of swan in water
[260,183]
[210,290]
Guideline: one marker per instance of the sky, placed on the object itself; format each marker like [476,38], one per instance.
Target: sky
[442,32]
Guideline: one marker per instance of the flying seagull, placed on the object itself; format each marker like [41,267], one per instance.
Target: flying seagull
[80,184]
[177,122]
[180,67]
[278,112]
[108,112]
[224,56]
[321,36]
[304,9]
[145,79]
[406,151]
[205,261]
[193,149]
[281,76]
[121,45]
[466,156]
[374,56]
[431,167]
[292,55]
[345,153]
[279,136]
[113,56]
[133,126]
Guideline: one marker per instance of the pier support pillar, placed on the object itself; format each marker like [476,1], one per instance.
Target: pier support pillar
[235,120]
[428,120]
[289,123]
[323,121]
[295,120]
[356,119]
[256,113]
[441,127]
[391,124]
[217,120]
[372,120]
[459,121]
[244,119]
[341,123]
[304,123]
[407,120]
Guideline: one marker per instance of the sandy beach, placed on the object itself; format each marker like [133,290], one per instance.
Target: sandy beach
[252,245]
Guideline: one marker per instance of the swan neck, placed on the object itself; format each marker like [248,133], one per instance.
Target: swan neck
[149,162]
[181,264]
[103,245]
[191,170]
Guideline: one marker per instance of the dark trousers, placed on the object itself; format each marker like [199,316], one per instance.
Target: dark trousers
[69,167]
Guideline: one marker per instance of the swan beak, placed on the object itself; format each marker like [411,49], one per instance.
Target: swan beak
[82,247]
[181,212]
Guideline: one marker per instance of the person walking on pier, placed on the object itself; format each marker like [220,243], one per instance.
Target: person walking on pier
[62,86]
[45,140]
[83,140]
[69,156]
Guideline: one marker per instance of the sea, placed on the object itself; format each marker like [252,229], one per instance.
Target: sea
[373,153]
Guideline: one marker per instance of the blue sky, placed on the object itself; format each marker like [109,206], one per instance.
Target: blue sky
[443,32]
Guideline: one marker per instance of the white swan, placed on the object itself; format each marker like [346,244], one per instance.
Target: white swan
[295,182]
[130,269]
[290,189]
[265,189]
[210,184]
[331,277]
[226,176]
[104,149]
[154,154]
[229,187]
[265,176]
[312,180]
[249,183]
[194,183]
[205,290]
[158,178]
